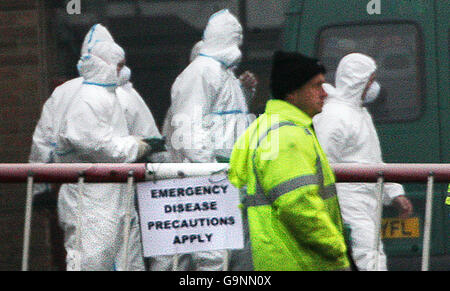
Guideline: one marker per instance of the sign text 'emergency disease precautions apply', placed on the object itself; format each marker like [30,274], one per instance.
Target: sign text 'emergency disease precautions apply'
[189,215]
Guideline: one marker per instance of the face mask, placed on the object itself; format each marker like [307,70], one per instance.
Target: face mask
[372,93]
[124,76]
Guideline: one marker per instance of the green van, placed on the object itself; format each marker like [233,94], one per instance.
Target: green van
[409,39]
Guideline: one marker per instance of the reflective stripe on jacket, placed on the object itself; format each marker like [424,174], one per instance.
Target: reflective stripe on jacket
[292,207]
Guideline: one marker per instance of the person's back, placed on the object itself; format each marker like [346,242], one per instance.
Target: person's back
[44,136]
[214,118]
[139,119]
[94,129]
[52,111]
[208,110]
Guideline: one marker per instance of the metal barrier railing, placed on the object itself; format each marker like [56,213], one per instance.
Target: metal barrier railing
[131,173]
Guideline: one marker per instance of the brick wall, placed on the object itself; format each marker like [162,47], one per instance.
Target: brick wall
[21,99]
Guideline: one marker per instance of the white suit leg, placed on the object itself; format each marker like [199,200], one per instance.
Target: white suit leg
[358,211]
[210,261]
[167,263]
[135,252]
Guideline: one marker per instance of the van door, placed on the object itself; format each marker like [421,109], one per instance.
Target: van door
[443,59]
[402,40]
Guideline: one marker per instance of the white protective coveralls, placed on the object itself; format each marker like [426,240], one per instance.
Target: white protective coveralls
[93,129]
[209,109]
[195,51]
[347,134]
[208,112]
[44,136]
[139,118]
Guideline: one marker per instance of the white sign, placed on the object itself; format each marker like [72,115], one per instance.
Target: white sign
[189,215]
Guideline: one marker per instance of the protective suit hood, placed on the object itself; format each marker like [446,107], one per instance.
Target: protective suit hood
[99,67]
[222,38]
[352,75]
[195,50]
[97,33]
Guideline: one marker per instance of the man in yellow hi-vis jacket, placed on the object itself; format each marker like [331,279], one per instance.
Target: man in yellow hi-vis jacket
[291,204]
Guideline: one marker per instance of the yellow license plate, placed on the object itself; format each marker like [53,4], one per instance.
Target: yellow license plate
[400,228]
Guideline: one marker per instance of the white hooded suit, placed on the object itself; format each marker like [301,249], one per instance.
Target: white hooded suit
[209,109]
[347,134]
[139,118]
[94,129]
[208,113]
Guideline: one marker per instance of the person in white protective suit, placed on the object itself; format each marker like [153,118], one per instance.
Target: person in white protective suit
[93,129]
[347,134]
[247,79]
[139,118]
[208,112]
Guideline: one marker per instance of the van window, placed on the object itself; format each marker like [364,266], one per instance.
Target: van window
[397,50]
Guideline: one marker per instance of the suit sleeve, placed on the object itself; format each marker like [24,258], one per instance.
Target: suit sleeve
[192,98]
[391,191]
[43,143]
[43,137]
[89,132]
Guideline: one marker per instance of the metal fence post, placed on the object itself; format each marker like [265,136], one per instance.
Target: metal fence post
[129,205]
[78,230]
[380,190]
[427,224]
[27,225]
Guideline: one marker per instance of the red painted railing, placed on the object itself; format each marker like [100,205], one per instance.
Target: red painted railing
[131,173]
[69,173]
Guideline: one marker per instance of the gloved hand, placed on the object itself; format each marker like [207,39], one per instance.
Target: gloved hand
[248,80]
[222,159]
[404,206]
[249,83]
[143,148]
[156,144]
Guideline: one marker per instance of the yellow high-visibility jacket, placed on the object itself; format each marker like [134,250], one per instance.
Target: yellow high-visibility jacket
[292,208]
[447,200]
